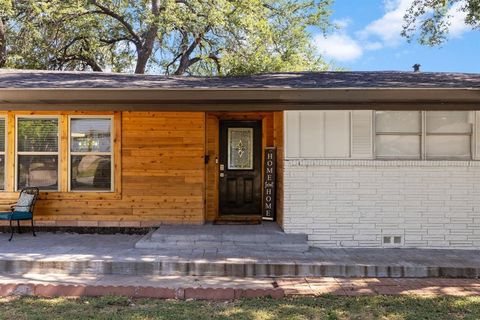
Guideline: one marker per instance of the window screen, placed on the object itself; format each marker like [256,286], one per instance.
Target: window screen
[37,153]
[91,154]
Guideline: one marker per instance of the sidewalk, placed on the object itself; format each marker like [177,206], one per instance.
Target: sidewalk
[223,288]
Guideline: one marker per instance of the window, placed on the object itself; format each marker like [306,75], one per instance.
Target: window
[2,153]
[37,153]
[398,134]
[448,134]
[423,135]
[91,154]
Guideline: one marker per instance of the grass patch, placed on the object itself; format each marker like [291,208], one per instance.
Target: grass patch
[323,307]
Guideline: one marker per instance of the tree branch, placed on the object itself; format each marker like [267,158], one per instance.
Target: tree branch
[104,10]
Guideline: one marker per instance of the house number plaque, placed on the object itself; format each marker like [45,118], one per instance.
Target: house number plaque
[269,184]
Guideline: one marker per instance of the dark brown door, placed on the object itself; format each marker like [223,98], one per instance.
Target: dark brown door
[240,168]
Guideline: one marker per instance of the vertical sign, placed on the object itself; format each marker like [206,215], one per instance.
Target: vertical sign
[269,184]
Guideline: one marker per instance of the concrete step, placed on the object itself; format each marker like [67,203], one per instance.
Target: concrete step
[225,237]
[169,265]
[277,237]
[221,246]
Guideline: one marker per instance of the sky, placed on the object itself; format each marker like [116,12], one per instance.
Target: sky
[368,38]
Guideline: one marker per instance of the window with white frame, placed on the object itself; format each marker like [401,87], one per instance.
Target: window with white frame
[37,152]
[2,153]
[398,134]
[91,159]
[423,135]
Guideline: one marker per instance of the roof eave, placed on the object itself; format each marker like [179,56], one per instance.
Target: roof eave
[279,98]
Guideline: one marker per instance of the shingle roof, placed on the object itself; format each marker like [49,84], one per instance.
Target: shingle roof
[301,80]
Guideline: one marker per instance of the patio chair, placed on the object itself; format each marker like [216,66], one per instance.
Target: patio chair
[22,210]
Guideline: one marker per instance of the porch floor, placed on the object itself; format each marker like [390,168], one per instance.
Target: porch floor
[68,253]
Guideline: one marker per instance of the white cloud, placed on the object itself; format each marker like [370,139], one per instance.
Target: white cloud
[457,20]
[389,26]
[373,45]
[339,46]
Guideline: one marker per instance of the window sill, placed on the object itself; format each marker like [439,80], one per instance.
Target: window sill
[57,195]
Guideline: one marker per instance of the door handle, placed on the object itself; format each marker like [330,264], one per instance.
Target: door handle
[222,175]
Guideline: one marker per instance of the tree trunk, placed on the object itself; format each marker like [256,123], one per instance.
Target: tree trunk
[142,59]
[183,65]
[144,51]
[3,44]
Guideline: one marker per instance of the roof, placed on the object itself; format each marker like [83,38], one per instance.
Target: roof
[297,80]
[61,90]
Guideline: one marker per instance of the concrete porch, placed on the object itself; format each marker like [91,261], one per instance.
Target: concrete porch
[74,254]
[224,239]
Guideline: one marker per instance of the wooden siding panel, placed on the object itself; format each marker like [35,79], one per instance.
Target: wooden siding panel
[159,175]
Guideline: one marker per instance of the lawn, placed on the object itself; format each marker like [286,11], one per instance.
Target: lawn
[323,307]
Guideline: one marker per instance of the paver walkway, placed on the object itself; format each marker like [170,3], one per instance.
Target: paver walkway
[225,288]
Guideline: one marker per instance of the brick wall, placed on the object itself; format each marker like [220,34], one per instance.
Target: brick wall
[355,203]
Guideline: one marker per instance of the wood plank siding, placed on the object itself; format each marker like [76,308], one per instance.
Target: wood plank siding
[160,175]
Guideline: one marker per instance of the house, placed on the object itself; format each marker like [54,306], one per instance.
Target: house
[363,159]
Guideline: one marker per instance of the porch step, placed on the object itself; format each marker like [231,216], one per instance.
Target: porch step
[224,237]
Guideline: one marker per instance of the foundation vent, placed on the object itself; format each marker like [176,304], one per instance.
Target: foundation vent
[392,240]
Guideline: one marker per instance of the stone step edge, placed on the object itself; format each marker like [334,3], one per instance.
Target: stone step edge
[235,238]
[219,268]
[180,293]
[280,248]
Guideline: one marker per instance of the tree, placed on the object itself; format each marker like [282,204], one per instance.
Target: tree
[177,37]
[5,12]
[432,19]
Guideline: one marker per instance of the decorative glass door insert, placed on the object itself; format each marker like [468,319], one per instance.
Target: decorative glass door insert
[240,148]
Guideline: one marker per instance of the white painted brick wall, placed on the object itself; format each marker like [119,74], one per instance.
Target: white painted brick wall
[354,203]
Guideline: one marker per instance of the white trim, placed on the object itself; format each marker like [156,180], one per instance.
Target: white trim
[111,153]
[4,152]
[58,153]
[379,163]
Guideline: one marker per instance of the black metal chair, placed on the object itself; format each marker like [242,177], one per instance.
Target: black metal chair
[22,210]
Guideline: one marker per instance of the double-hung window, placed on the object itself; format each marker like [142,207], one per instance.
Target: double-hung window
[449,134]
[37,152]
[91,160]
[427,135]
[398,134]
[2,153]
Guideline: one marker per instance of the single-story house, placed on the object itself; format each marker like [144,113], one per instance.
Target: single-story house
[363,159]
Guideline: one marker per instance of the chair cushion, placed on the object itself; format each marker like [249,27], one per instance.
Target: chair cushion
[24,202]
[5,215]
[15,215]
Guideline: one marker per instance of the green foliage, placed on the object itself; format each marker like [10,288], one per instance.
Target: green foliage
[429,19]
[202,37]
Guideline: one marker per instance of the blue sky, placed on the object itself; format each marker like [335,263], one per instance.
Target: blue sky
[368,39]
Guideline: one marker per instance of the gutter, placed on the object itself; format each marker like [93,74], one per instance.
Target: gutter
[208,99]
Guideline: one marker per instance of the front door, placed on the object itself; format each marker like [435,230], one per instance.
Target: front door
[240,168]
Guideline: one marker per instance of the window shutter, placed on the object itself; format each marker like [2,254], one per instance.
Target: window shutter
[477,135]
[362,134]
[292,134]
[312,134]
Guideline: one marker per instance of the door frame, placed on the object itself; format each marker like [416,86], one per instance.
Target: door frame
[258,162]
[212,151]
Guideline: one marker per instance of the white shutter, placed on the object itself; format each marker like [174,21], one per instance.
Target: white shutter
[362,134]
[337,134]
[477,135]
[292,134]
[312,134]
